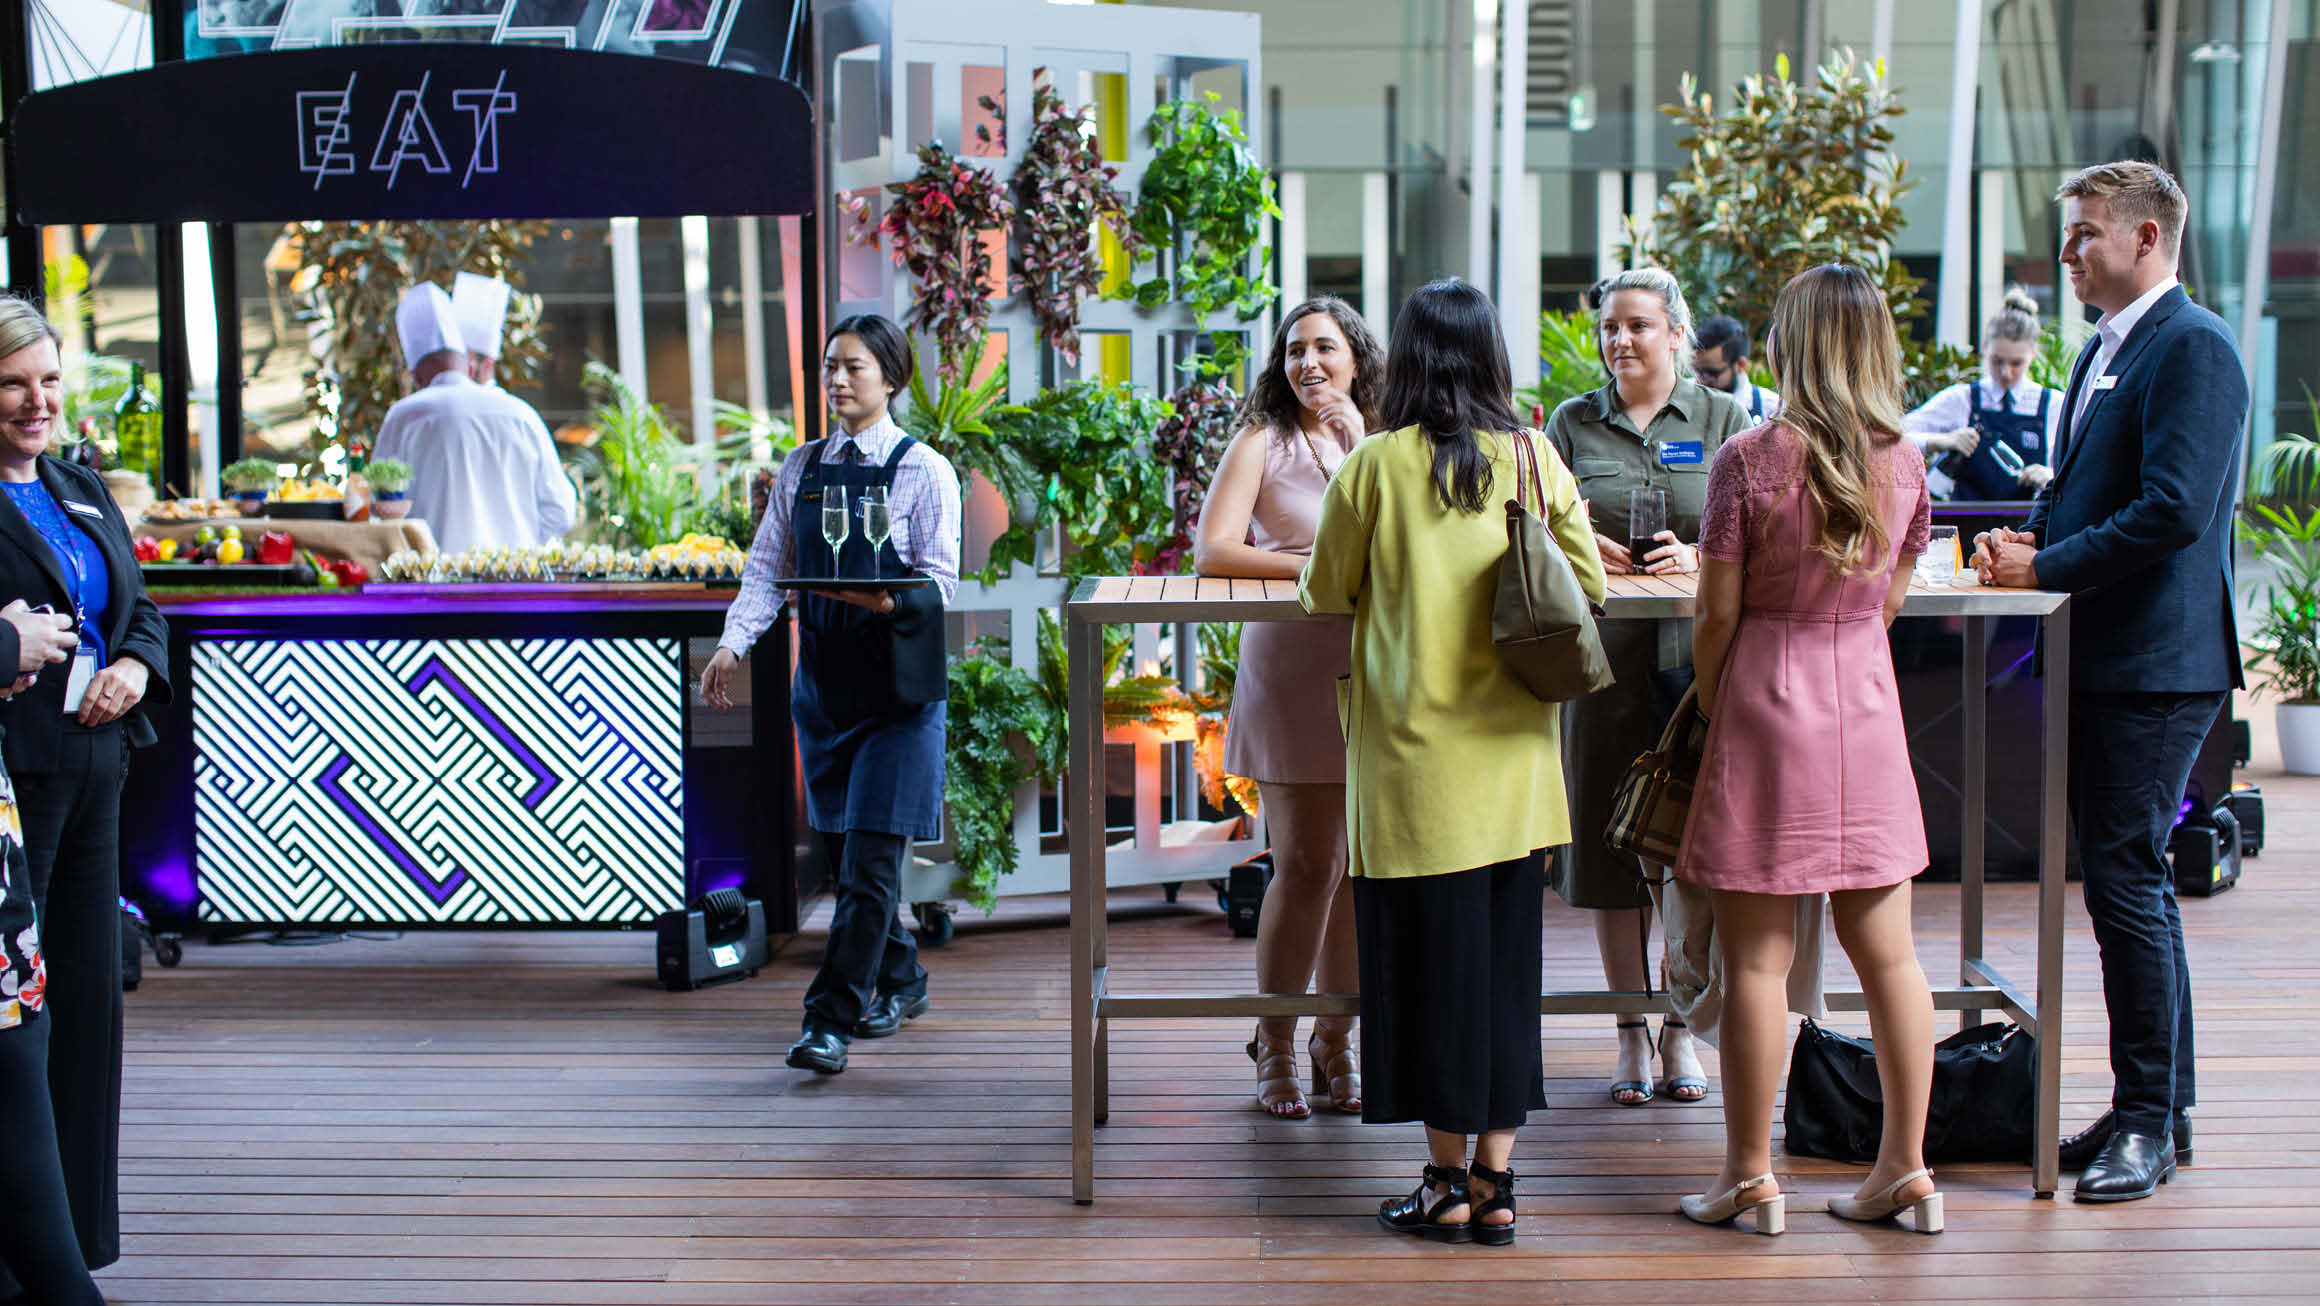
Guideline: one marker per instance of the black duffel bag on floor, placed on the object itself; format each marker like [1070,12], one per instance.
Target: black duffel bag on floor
[1984,1096]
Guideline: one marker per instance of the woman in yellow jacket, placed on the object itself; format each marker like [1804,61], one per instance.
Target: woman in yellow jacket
[1454,781]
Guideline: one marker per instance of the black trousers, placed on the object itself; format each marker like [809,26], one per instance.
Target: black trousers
[72,844]
[2130,758]
[36,1231]
[870,954]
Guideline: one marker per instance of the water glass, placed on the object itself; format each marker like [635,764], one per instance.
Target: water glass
[834,526]
[1646,518]
[1940,564]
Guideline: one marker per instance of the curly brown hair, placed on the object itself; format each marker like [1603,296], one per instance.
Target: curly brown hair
[1272,402]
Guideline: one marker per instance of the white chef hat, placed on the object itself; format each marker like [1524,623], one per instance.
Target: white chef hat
[426,322]
[481,303]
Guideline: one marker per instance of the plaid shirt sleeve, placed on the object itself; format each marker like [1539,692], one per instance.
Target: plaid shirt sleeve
[926,495]
[758,603]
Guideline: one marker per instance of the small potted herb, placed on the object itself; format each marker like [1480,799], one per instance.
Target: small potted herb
[390,487]
[249,479]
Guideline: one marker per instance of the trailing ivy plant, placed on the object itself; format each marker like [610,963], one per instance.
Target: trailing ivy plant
[1063,190]
[359,271]
[1785,177]
[1204,201]
[1084,446]
[934,228]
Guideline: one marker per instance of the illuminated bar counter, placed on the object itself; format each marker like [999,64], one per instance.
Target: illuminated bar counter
[477,755]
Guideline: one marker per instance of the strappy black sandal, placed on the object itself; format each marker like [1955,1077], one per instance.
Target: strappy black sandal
[1416,1215]
[1501,1199]
[1681,1088]
[1634,1092]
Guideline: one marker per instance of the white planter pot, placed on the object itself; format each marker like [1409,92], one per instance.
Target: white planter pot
[2299,727]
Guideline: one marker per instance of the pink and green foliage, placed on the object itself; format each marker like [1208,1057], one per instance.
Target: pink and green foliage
[1191,442]
[1063,189]
[934,228]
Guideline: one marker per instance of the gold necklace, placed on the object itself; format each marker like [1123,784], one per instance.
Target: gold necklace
[1315,451]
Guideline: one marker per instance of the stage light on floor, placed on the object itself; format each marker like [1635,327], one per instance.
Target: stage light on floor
[720,937]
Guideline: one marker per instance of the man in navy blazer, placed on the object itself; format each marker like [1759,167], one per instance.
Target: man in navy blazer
[2137,527]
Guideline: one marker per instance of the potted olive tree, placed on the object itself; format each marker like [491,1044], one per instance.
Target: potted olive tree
[2281,526]
[390,480]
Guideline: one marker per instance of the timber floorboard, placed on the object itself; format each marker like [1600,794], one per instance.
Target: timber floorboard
[529,1118]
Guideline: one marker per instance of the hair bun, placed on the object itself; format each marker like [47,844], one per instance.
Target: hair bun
[2018,300]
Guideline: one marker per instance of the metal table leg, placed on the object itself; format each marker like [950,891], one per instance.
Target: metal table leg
[1973,804]
[1084,808]
[2054,635]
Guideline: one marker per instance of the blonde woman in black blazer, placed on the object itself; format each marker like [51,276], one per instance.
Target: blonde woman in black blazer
[68,768]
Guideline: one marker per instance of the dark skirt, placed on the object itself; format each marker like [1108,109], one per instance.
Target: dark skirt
[1450,974]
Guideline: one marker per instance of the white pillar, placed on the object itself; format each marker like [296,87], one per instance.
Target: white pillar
[1292,201]
[1478,151]
[1377,254]
[693,237]
[1950,325]
[1515,189]
[1881,31]
[2255,285]
[628,301]
[1518,304]
[1642,198]
[1610,207]
[201,354]
[753,386]
[1990,260]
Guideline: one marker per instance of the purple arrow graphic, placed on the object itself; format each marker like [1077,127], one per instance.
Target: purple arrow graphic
[543,780]
[330,783]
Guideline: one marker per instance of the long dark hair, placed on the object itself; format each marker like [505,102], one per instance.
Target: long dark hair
[885,342]
[1273,402]
[1446,373]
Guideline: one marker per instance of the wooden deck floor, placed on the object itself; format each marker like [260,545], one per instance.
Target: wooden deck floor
[529,1119]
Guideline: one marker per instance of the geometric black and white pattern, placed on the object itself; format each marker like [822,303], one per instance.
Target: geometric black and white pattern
[429,781]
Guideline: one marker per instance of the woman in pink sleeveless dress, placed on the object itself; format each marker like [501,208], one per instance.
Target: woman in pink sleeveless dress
[1812,527]
[1309,406]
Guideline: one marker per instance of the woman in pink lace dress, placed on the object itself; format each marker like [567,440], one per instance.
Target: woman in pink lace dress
[1812,527]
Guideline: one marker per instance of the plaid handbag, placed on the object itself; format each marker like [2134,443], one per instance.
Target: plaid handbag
[1655,796]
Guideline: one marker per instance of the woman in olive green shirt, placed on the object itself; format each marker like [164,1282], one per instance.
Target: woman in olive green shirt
[1454,783]
[1651,428]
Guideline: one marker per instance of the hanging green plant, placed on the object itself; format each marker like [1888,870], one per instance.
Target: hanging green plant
[1085,447]
[934,228]
[1204,200]
[1002,732]
[1063,191]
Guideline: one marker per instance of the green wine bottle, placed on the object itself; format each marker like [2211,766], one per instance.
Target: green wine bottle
[137,429]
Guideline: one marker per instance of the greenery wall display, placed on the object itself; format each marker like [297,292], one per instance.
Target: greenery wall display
[1003,731]
[2280,523]
[359,270]
[1063,193]
[952,417]
[1788,176]
[1202,207]
[1084,446]
[934,227]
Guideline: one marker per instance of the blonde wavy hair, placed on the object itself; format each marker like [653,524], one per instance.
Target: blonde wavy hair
[1839,364]
[23,325]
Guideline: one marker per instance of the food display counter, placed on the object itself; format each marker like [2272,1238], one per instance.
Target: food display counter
[459,756]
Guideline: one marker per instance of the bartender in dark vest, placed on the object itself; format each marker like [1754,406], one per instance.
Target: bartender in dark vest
[1993,439]
[869,695]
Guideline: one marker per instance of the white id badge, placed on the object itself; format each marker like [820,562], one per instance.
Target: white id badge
[84,669]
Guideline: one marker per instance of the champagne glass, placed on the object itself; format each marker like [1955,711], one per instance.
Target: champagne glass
[877,521]
[834,526]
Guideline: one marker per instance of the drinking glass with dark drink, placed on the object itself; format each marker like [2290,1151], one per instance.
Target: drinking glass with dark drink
[1646,518]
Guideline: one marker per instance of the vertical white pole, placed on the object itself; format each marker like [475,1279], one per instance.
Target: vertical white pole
[693,236]
[1377,258]
[1520,303]
[752,316]
[1515,267]
[201,349]
[1478,152]
[1881,31]
[1292,199]
[628,301]
[1950,325]
[1990,264]
[2255,285]
[1610,207]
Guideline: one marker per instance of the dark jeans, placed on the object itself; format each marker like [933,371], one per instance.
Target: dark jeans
[870,954]
[36,1230]
[2130,758]
[72,844]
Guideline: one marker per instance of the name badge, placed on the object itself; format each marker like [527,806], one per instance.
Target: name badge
[2105,382]
[84,509]
[811,496]
[76,686]
[1681,453]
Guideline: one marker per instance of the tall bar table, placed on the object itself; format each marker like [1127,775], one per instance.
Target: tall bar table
[1097,602]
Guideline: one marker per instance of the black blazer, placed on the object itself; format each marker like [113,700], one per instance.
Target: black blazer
[2137,523]
[29,570]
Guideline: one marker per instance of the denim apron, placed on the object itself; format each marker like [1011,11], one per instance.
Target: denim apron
[1982,477]
[870,763]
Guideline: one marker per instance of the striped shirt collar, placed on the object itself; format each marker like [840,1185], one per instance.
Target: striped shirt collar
[876,441]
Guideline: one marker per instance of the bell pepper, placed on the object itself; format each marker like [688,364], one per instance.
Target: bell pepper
[148,549]
[276,548]
[350,572]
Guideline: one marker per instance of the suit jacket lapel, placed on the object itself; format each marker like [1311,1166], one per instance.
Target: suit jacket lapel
[2130,349]
[18,530]
[2070,402]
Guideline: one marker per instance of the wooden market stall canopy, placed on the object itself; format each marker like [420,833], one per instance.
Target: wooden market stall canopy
[412,130]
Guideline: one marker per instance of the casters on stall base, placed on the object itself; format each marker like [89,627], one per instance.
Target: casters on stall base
[1171,889]
[934,923]
[168,951]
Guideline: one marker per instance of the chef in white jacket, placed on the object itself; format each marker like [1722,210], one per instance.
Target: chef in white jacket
[484,472]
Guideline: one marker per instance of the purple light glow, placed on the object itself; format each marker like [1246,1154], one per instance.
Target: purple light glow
[173,883]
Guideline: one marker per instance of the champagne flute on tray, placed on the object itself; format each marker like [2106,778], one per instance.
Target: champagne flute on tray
[835,526]
[877,523]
